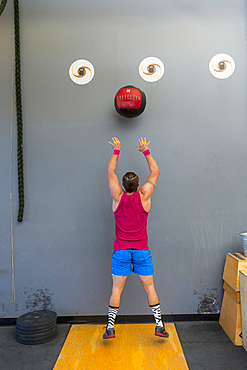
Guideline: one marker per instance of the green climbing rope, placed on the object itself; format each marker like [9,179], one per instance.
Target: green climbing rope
[19,111]
[2,6]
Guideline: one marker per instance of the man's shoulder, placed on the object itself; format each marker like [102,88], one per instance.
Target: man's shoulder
[142,196]
[116,202]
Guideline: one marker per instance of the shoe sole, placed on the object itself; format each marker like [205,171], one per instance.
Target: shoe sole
[109,337]
[162,335]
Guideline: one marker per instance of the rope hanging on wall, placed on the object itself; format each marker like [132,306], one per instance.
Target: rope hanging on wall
[19,111]
[2,6]
[18,105]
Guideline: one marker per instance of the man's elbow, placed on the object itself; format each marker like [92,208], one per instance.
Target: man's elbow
[155,174]
[109,172]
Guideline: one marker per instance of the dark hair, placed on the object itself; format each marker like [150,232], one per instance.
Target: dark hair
[130,182]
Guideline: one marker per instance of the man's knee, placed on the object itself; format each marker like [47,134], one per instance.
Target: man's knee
[117,288]
[147,282]
[118,283]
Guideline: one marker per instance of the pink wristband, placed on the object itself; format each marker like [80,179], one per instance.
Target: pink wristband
[116,151]
[147,152]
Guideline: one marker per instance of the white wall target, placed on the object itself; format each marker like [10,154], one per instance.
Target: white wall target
[222,66]
[81,72]
[151,69]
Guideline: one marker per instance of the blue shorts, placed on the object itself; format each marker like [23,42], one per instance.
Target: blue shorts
[132,260]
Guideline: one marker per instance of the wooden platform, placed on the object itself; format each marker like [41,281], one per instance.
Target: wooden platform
[134,348]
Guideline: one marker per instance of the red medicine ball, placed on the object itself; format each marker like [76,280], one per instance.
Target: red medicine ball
[130,101]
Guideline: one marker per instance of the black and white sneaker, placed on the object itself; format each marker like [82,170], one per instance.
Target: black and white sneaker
[109,333]
[161,332]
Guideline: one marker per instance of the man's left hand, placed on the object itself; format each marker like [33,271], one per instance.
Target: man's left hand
[115,143]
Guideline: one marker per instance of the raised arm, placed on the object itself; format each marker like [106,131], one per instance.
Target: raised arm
[148,188]
[115,189]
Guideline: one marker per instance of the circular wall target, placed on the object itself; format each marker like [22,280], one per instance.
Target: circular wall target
[222,66]
[81,72]
[151,69]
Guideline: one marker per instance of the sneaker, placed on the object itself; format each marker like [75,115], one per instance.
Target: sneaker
[161,332]
[109,333]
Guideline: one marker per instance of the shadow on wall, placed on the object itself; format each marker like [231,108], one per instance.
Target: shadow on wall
[208,305]
[38,299]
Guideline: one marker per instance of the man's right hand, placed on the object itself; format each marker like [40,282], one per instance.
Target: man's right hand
[143,145]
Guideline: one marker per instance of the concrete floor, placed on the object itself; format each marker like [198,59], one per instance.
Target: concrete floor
[205,346]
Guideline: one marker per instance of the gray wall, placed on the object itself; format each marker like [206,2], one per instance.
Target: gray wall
[196,125]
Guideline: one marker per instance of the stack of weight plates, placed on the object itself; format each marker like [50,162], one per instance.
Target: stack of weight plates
[36,327]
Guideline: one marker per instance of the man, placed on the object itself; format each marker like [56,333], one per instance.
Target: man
[131,252]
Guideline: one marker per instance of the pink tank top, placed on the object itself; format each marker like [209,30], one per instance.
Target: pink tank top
[130,223]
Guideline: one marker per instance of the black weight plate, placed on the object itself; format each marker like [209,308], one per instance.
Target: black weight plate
[21,327]
[36,328]
[37,335]
[32,332]
[41,341]
[37,318]
[37,338]
[36,331]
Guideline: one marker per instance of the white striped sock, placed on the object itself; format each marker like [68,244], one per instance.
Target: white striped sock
[157,315]
[112,314]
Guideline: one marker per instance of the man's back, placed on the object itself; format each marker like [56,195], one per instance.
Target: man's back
[131,223]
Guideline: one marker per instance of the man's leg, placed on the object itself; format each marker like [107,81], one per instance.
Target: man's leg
[153,301]
[148,285]
[118,283]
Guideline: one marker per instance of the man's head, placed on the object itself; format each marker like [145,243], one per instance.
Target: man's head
[130,182]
